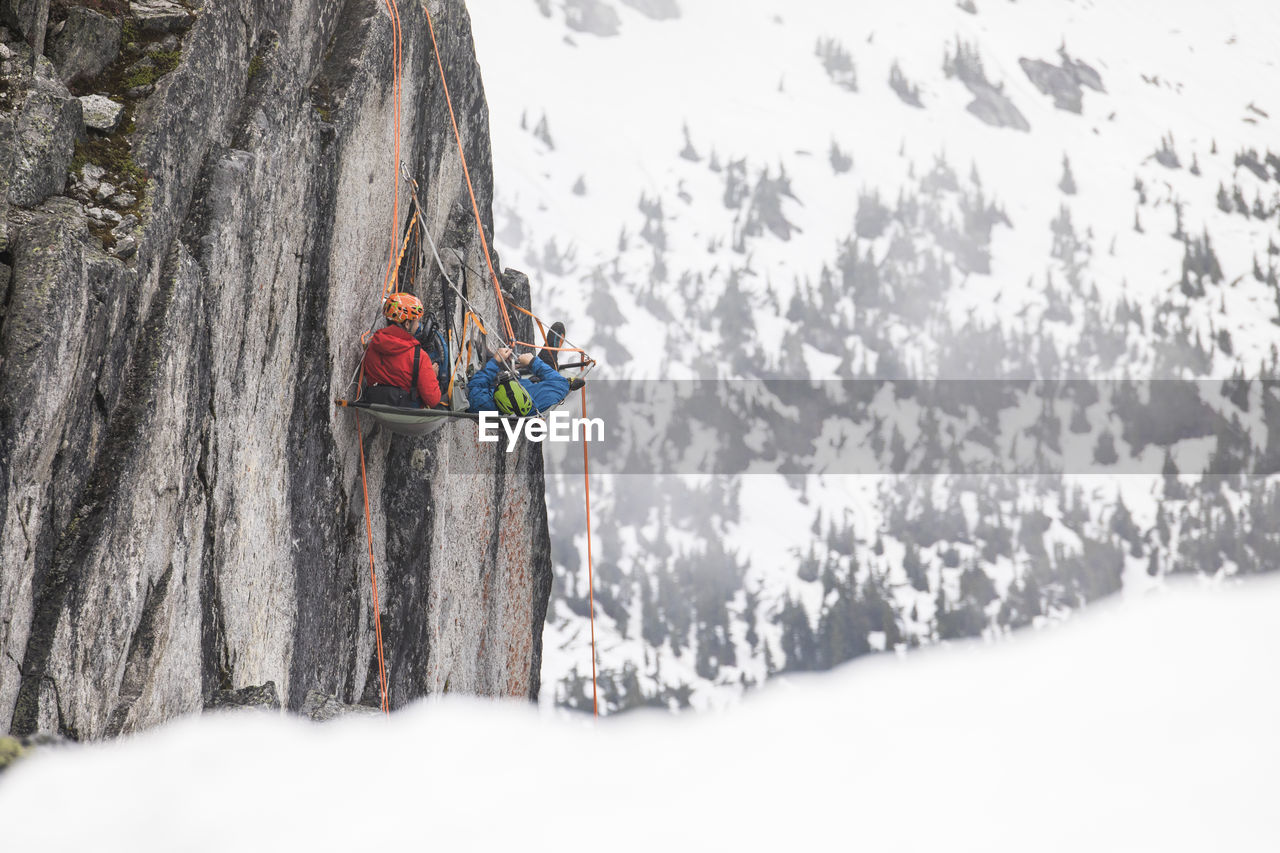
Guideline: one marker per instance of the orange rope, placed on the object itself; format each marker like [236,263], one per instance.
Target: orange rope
[452,370]
[537,320]
[475,207]
[373,575]
[524,311]
[458,362]
[388,281]
[591,584]
[395,274]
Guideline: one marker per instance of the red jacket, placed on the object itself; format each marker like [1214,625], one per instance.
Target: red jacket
[389,361]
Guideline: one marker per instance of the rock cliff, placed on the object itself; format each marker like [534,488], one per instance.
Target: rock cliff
[183,298]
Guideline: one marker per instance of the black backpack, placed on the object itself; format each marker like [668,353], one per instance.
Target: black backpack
[433,341]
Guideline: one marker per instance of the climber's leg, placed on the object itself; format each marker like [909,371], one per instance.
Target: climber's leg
[555,338]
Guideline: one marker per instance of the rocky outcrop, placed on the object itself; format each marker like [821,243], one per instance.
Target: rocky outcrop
[320,708]
[1063,82]
[23,16]
[101,113]
[45,124]
[163,16]
[181,502]
[990,104]
[262,697]
[85,45]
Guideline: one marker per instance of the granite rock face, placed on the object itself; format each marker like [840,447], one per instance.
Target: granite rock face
[87,43]
[21,15]
[164,16]
[46,124]
[181,510]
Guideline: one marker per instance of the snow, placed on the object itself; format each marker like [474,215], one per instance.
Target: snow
[742,79]
[742,76]
[1144,724]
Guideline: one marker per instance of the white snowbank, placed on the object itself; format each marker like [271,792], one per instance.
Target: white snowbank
[1145,725]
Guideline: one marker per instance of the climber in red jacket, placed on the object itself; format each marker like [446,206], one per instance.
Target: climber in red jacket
[397,371]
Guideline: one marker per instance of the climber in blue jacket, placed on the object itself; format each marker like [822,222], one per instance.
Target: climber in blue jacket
[495,388]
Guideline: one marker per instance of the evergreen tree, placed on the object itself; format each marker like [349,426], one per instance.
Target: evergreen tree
[798,643]
[976,586]
[809,566]
[1068,181]
[1122,522]
[914,567]
[939,611]
[1104,452]
[1173,489]
[1162,525]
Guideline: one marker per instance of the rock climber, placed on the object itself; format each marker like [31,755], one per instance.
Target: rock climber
[397,370]
[499,387]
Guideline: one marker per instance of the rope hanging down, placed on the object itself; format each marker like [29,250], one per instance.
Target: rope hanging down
[591,583]
[466,173]
[506,320]
[388,282]
[373,577]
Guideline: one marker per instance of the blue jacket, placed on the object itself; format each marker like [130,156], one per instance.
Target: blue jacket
[546,394]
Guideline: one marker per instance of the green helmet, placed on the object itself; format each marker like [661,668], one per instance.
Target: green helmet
[511,397]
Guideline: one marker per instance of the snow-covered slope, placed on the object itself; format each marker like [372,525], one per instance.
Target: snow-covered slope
[743,78]
[755,188]
[1143,726]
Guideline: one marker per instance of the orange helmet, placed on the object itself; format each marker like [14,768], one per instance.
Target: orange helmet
[402,307]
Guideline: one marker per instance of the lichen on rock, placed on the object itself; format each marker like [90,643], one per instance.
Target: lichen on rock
[45,128]
[101,113]
[11,750]
[87,43]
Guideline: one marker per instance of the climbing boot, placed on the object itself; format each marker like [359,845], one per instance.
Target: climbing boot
[555,338]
